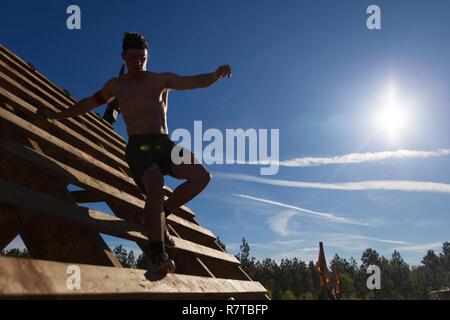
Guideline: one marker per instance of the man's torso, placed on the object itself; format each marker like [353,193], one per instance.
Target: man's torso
[143,103]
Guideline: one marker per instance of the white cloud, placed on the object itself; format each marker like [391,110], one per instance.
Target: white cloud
[350,158]
[363,157]
[359,237]
[288,242]
[428,223]
[420,248]
[394,185]
[306,212]
[280,223]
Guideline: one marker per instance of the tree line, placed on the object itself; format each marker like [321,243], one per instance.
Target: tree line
[297,279]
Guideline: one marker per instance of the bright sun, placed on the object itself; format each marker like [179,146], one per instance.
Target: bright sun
[392,116]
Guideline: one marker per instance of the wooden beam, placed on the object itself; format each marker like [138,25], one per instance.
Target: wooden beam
[39,134]
[24,278]
[73,137]
[226,271]
[46,84]
[59,241]
[176,220]
[89,118]
[183,212]
[95,220]
[67,174]
[110,170]
[55,239]
[29,91]
[104,171]
[84,196]
[186,263]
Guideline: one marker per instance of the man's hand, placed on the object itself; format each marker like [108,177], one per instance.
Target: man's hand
[222,71]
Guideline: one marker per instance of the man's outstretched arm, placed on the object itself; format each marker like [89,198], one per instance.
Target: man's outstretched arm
[174,81]
[83,106]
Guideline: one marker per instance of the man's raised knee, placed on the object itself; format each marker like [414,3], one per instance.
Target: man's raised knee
[205,177]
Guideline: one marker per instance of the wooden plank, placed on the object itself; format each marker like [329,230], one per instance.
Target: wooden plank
[182,222]
[24,198]
[46,84]
[186,213]
[21,278]
[53,168]
[89,118]
[74,137]
[42,135]
[183,212]
[24,89]
[187,263]
[212,266]
[129,180]
[194,235]
[54,240]
[59,241]
[185,245]
[205,267]
[226,271]
[74,176]
[84,196]
[105,172]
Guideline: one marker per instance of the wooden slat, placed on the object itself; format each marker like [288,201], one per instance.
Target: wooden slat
[195,264]
[41,80]
[95,220]
[67,130]
[77,139]
[186,263]
[28,91]
[68,242]
[54,167]
[19,279]
[89,119]
[71,175]
[104,171]
[191,232]
[182,222]
[83,196]
[54,240]
[42,135]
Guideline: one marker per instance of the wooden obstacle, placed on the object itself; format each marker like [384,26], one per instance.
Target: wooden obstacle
[40,159]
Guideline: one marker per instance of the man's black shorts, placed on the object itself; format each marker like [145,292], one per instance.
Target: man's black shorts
[144,150]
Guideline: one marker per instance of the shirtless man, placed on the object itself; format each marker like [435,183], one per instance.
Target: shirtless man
[142,96]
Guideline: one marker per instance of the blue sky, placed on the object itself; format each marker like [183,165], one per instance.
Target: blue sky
[308,68]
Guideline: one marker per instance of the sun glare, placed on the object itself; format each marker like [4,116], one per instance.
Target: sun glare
[392,116]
